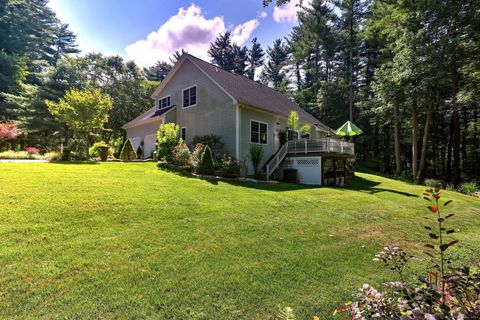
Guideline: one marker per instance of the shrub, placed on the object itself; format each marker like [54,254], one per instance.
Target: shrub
[447,293]
[19,155]
[167,137]
[197,154]
[206,162]
[33,150]
[214,141]
[432,183]
[53,156]
[94,151]
[230,167]
[128,154]
[468,188]
[256,155]
[139,152]
[182,155]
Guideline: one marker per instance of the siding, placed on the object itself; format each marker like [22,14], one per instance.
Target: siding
[276,123]
[141,132]
[214,113]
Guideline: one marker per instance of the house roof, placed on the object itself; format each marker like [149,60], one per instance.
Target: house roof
[254,94]
[244,90]
[151,114]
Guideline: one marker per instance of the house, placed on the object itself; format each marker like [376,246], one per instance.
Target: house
[205,99]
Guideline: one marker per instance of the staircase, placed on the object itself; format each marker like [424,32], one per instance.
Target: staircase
[275,161]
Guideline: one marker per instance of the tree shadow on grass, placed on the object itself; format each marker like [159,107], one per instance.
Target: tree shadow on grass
[358,184]
[74,162]
[368,186]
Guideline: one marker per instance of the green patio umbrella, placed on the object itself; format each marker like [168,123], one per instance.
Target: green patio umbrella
[348,129]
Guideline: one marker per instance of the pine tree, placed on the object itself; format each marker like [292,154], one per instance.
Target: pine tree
[158,72]
[273,73]
[255,58]
[222,52]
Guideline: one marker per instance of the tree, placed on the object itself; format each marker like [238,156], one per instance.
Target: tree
[255,58]
[240,57]
[177,55]
[85,112]
[221,51]
[295,125]
[167,139]
[272,73]
[158,72]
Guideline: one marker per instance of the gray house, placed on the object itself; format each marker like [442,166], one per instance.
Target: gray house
[205,99]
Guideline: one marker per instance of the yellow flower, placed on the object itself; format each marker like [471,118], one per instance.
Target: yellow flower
[316,318]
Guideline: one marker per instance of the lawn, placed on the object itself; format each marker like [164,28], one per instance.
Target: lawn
[129,241]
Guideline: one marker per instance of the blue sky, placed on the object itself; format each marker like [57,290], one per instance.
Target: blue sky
[149,30]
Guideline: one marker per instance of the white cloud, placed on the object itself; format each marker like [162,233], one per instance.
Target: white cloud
[188,30]
[287,13]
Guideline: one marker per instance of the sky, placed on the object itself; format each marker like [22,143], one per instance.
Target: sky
[147,31]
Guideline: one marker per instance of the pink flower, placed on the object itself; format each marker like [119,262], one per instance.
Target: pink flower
[33,150]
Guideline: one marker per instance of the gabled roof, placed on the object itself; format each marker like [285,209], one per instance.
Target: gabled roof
[150,115]
[241,89]
[254,94]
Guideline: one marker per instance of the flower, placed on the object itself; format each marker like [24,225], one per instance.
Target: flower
[32,150]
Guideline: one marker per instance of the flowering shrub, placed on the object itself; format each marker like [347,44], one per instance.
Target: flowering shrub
[32,150]
[8,131]
[18,155]
[453,295]
[230,167]
[181,155]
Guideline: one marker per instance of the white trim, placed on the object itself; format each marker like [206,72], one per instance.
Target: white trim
[238,115]
[169,76]
[181,134]
[259,132]
[160,99]
[196,97]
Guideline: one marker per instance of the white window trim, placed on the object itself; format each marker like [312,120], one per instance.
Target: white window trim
[165,97]
[250,132]
[181,129]
[196,93]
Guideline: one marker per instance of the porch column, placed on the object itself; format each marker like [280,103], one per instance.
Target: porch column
[334,172]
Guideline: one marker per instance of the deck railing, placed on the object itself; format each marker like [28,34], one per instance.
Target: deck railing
[276,160]
[305,146]
[329,145]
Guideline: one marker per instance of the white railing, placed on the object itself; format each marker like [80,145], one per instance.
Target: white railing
[329,145]
[273,164]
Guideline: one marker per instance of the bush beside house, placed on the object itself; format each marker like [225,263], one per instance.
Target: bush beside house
[127,153]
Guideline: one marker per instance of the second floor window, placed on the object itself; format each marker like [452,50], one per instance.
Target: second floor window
[190,96]
[164,103]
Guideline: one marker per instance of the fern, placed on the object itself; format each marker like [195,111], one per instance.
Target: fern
[286,313]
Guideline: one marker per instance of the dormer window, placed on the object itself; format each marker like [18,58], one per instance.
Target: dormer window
[164,103]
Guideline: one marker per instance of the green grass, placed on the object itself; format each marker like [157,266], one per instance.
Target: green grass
[129,241]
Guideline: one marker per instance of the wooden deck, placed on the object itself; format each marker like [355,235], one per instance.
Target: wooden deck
[320,146]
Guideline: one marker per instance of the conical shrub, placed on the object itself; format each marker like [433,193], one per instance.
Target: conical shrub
[128,154]
[206,162]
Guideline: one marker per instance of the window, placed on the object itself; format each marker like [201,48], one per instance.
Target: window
[306,135]
[190,97]
[258,132]
[183,133]
[164,103]
[292,135]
